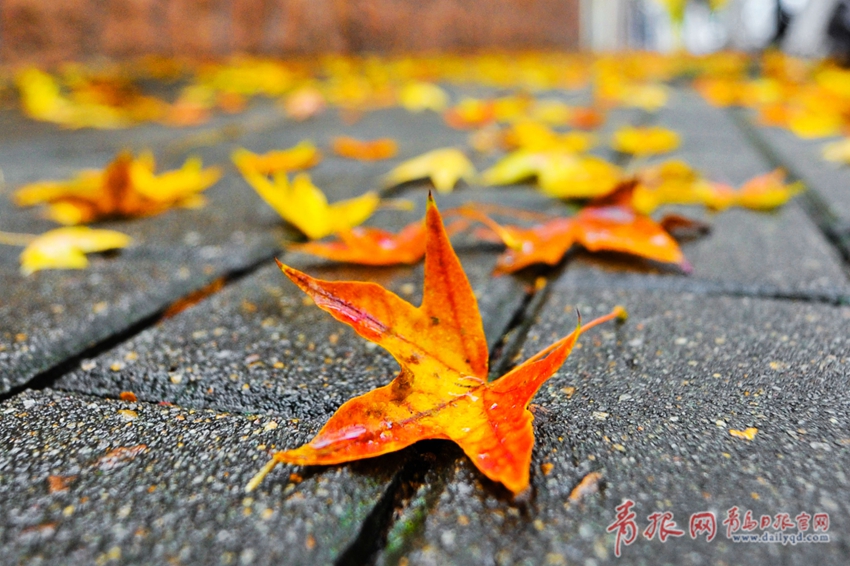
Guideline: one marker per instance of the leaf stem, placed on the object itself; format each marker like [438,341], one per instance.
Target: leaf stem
[618,312]
[261,475]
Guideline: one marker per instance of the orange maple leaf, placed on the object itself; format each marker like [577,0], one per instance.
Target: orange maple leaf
[470,113]
[442,390]
[374,246]
[374,150]
[611,225]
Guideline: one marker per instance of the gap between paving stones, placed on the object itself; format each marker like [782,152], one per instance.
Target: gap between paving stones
[48,377]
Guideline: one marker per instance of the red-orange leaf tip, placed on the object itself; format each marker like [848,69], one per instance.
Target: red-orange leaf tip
[442,390]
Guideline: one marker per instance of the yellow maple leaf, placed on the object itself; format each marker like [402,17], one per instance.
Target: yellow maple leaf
[66,248]
[127,187]
[304,205]
[747,434]
[42,99]
[559,174]
[837,152]
[515,167]
[179,186]
[579,177]
[644,140]
[444,167]
[419,96]
[809,123]
[302,155]
[552,112]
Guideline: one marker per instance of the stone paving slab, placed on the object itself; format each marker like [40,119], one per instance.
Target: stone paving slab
[781,251]
[90,481]
[649,405]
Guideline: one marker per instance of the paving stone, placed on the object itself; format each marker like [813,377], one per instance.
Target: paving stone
[89,481]
[782,250]
[650,405]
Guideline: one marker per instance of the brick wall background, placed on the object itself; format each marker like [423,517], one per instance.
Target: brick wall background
[49,31]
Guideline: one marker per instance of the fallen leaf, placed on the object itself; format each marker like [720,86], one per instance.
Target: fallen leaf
[126,188]
[559,174]
[301,156]
[837,152]
[305,206]
[588,485]
[304,103]
[747,434]
[118,456]
[42,98]
[470,113]
[766,192]
[57,484]
[421,96]
[535,136]
[444,167]
[65,248]
[644,140]
[442,390]
[374,150]
[612,228]
[674,182]
[586,118]
[373,246]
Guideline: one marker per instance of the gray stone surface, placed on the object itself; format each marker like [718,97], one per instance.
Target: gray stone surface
[650,405]
[148,484]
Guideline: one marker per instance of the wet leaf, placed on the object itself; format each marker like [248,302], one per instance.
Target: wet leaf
[535,136]
[559,174]
[304,103]
[304,205]
[470,113]
[127,187]
[837,152]
[373,150]
[421,96]
[442,390]
[747,434]
[444,167]
[644,140]
[66,248]
[373,246]
[301,156]
[608,227]
[674,182]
